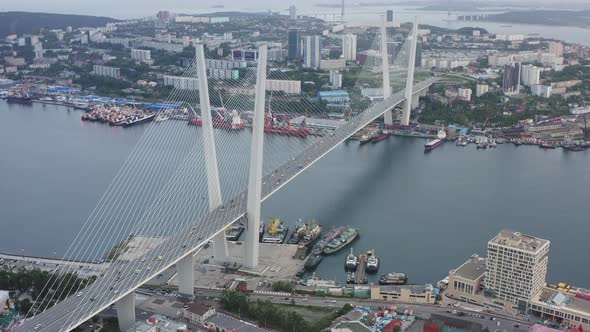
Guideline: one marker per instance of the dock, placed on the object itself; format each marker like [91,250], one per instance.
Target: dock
[361,277]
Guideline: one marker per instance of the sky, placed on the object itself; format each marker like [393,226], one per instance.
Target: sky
[142,8]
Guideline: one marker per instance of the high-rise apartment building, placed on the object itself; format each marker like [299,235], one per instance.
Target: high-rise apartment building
[292,12]
[312,51]
[141,55]
[516,266]
[294,50]
[481,89]
[556,48]
[349,47]
[511,79]
[530,75]
[389,15]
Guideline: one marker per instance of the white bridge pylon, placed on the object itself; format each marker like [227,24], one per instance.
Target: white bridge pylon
[405,119]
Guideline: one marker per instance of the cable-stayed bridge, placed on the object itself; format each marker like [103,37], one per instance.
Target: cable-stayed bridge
[180,228]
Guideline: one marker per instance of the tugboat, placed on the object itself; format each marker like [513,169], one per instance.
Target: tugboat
[345,238]
[393,278]
[312,262]
[352,262]
[372,264]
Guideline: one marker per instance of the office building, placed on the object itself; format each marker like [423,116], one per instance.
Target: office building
[481,89]
[516,267]
[106,71]
[294,48]
[141,55]
[556,48]
[312,51]
[511,79]
[349,47]
[286,86]
[418,54]
[466,281]
[38,50]
[530,75]
[389,16]
[332,64]
[292,12]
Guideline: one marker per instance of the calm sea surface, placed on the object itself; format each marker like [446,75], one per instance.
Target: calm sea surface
[424,214]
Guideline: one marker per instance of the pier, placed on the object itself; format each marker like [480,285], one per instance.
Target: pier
[361,277]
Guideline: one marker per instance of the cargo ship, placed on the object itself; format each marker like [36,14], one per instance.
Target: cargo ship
[341,241]
[436,142]
[372,264]
[318,248]
[352,262]
[379,138]
[276,232]
[139,120]
[282,124]
[312,262]
[393,278]
[19,100]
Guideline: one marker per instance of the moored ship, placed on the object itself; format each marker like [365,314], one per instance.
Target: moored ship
[352,262]
[19,100]
[139,120]
[312,262]
[393,278]
[431,145]
[233,232]
[379,138]
[372,264]
[318,248]
[341,241]
[311,235]
[276,232]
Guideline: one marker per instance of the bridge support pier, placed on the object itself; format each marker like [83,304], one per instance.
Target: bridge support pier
[185,269]
[415,100]
[126,312]
[388,115]
[213,186]
[255,179]
[405,120]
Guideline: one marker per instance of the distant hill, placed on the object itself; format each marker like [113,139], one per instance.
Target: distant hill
[545,17]
[27,22]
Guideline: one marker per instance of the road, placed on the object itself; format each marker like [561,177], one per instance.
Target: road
[123,277]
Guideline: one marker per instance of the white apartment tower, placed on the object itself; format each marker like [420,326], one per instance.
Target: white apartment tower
[349,47]
[530,75]
[516,266]
[312,51]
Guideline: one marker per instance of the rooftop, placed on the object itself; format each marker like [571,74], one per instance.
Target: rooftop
[518,240]
[333,93]
[416,289]
[198,308]
[352,326]
[565,300]
[473,269]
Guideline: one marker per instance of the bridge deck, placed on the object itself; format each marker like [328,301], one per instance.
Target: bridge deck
[124,277]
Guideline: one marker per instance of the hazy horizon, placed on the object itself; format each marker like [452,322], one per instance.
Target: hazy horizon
[136,8]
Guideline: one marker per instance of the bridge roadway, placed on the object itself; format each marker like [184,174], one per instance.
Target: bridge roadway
[124,277]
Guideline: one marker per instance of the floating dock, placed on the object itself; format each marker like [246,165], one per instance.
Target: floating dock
[361,276]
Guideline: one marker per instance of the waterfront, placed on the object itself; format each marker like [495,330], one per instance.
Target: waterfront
[423,213]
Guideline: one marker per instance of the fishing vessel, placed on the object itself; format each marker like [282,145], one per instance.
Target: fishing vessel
[276,232]
[341,241]
[352,262]
[431,145]
[548,145]
[312,234]
[372,264]
[393,278]
[298,234]
[312,262]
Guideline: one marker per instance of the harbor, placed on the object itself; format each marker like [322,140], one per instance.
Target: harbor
[374,193]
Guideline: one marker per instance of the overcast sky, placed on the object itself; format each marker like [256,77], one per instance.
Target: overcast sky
[140,8]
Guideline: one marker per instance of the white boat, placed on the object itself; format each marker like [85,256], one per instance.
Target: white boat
[160,118]
[352,262]
[372,264]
